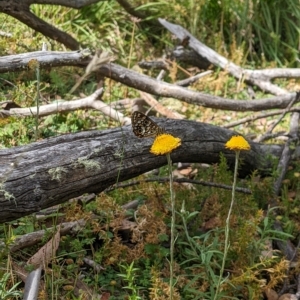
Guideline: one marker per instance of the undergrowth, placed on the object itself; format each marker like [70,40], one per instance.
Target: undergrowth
[132,246]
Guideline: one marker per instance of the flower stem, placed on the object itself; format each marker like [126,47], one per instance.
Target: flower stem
[227,226]
[172,196]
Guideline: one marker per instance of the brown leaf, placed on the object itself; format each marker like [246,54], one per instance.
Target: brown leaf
[271,294]
[186,171]
[177,174]
[20,271]
[46,253]
[105,296]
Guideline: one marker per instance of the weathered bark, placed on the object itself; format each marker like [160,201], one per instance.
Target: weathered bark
[19,62]
[143,82]
[152,86]
[259,78]
[52,171]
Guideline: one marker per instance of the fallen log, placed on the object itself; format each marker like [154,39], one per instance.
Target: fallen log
[52,171]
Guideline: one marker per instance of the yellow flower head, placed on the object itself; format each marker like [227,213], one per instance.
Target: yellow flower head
[237,143]
[164,143]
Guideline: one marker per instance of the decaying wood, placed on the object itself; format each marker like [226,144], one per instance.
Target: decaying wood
[91,101]
[143,82]
[19,62]
[258,79]
[262,115]
[36,237]
[52,171]
[152,86]
[190,80]
[164,111]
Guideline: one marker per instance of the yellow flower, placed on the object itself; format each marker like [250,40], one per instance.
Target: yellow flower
[237,143]
[164,143]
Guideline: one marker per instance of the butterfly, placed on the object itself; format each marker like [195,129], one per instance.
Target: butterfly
[185,41]
[143,126]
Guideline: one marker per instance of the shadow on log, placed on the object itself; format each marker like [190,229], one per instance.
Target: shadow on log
[55,170]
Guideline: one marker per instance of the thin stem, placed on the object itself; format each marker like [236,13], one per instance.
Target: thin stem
[172,196]
[227,226]
[38,79]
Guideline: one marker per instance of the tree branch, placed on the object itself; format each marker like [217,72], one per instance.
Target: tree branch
[152,86]
[221,62]
[19,62]
[91,101]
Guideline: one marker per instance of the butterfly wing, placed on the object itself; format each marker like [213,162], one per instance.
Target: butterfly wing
[143,126]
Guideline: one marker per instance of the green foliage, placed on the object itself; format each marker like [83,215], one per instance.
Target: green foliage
[5,292]
[129,277]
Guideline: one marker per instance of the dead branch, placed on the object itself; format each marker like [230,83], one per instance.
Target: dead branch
[286,247]
[91,101]
[152,86]
[143,82]
[19,62]
[260,116]
[287,152]
[285,111]
[152,102]
[218,60]
[33,238]
[180,180]
[190,80]
[270,74]
[139,15]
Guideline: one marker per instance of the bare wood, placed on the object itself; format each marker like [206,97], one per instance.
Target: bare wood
[260,116]
[274,73]
[55,170]
[220,61]
[190,80]
[142,82]
[98,59]
[287,152]
[33,238]
[20,62]
[152,102]
[91,101]
[152,86]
